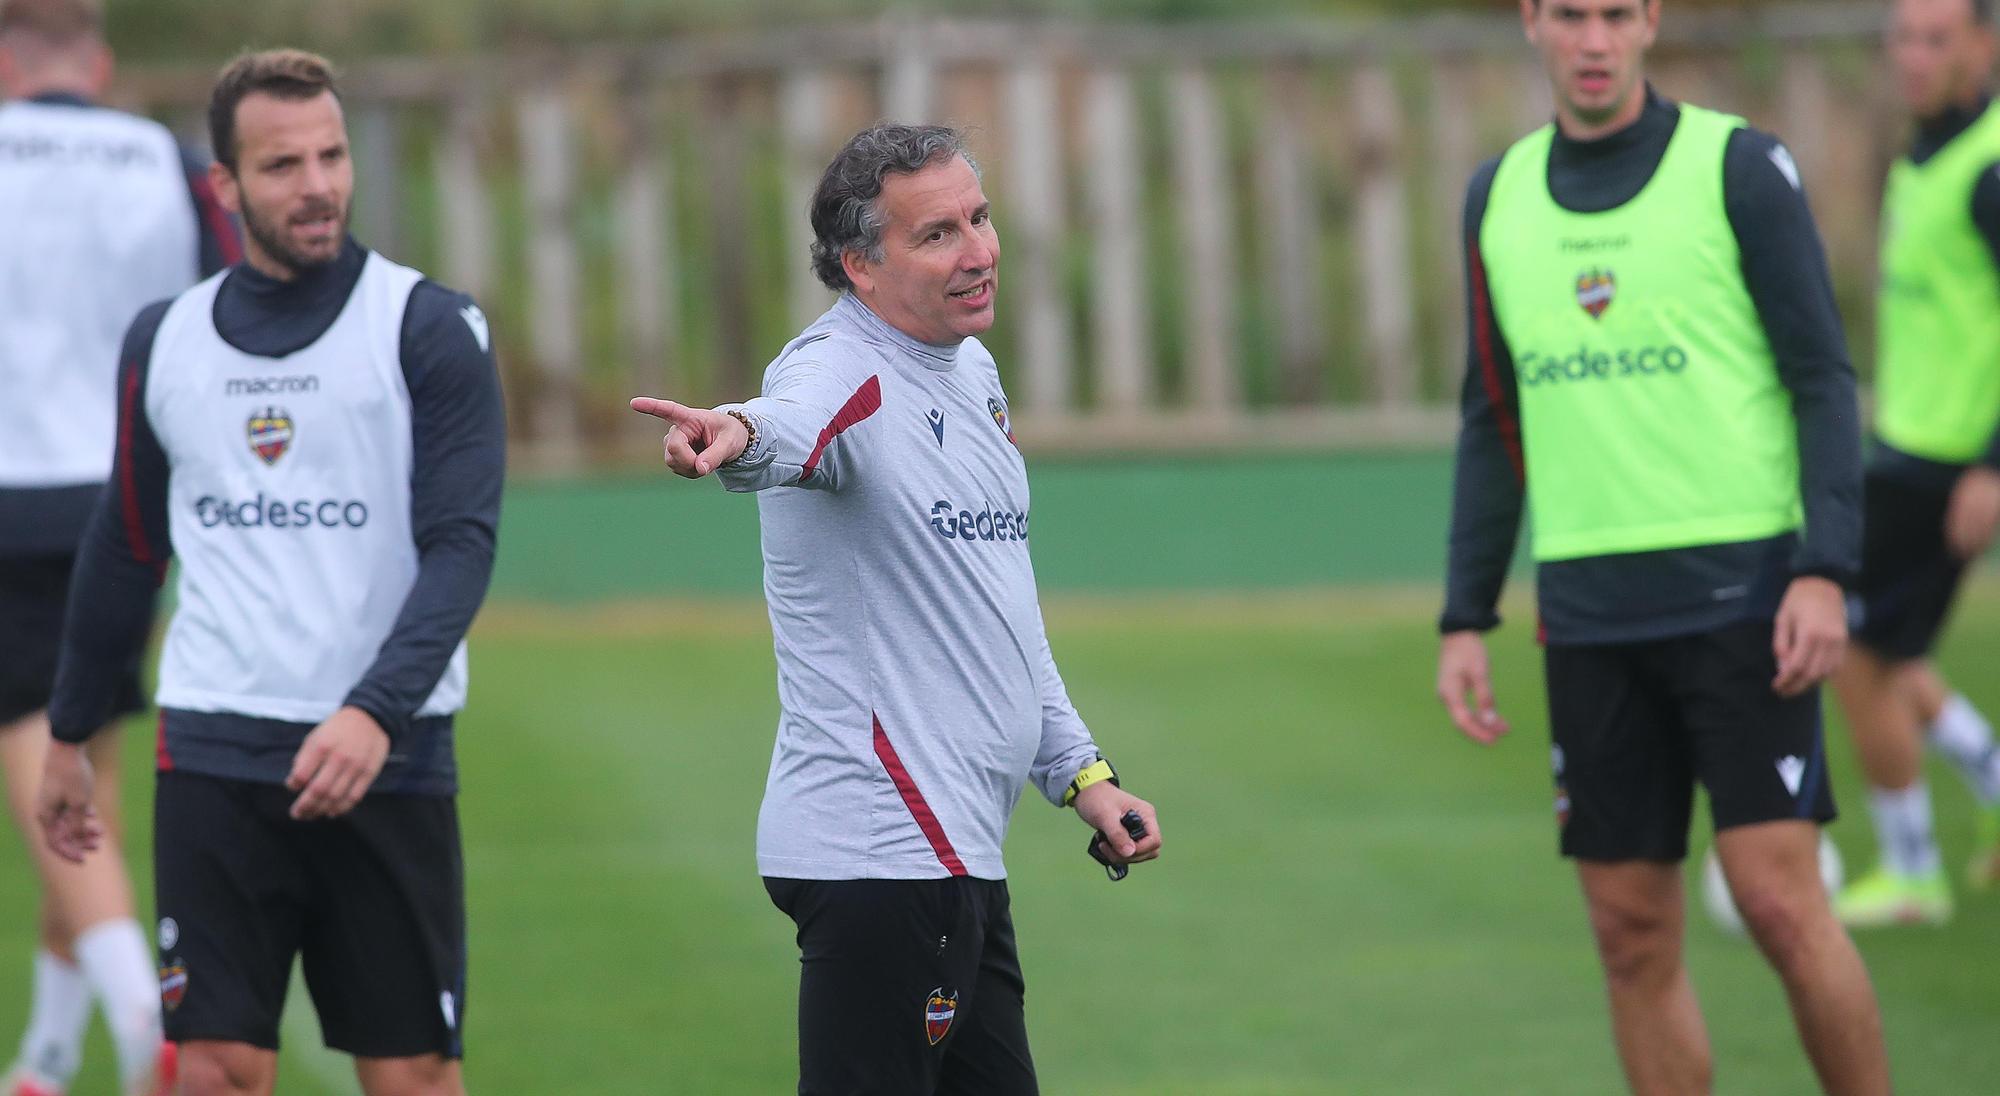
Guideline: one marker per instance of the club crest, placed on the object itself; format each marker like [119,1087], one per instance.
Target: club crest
[999,413]
[939,1011]
[1594,290]
[270,433]
[173,984]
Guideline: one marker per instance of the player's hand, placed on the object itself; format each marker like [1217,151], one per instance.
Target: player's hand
[1102,805]
[1974,512]
[1811,635]
[336,764]
[69,821]
[698,441]
[1463,672]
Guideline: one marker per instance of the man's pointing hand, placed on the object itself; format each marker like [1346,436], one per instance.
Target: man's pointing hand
[698,441]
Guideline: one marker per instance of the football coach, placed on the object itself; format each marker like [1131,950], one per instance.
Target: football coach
[917,691]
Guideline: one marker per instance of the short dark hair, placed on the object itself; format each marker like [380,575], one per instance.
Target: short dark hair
[844,213]
[1982,10]
[1642,3]
[58,22]
[291,74]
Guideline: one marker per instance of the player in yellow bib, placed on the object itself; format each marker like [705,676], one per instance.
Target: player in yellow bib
[1932,493]
[1657,364]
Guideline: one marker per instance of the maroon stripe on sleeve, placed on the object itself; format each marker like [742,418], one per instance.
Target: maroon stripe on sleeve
[128,486]
[163,761]
[865,401]
[1489,368]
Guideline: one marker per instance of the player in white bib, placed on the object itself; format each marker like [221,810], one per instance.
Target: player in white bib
[318,436]
[100,212]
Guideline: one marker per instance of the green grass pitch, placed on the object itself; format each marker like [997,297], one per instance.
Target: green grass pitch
[1353,899]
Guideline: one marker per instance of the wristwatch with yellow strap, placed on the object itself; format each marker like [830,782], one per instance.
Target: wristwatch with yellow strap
[1096,772]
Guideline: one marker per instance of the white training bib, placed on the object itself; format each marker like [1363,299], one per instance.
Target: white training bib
[289,506]
[96,222]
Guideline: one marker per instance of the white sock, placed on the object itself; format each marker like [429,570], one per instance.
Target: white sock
[1963,735]
[1903,828]
[53,1044]
[116,958]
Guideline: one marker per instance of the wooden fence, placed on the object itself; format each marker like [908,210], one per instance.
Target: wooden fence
[1236,235]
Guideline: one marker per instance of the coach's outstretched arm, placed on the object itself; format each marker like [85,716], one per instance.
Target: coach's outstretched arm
[790,436]
[119,569]
[458,428]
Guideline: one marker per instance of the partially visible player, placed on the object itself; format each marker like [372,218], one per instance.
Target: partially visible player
[1933,483]
[317,436]
[1657,363]
[100,213]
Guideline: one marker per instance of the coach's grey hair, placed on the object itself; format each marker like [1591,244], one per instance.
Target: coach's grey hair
[845,216]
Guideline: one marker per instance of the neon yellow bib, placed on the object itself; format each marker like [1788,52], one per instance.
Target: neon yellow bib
[1652,415]
[1937,366]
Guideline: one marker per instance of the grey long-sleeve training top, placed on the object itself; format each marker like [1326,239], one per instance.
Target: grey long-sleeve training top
[918,695]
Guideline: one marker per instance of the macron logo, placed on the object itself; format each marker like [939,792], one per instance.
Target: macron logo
[936,419]
[476,320]
[1792,770]
[1787,166]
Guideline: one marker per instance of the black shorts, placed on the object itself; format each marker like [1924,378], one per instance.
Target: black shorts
[373,903]
[910,987]
[33,593]
[1909,577]
[1636,724]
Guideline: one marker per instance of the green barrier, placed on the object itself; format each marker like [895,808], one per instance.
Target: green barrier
[1221,523]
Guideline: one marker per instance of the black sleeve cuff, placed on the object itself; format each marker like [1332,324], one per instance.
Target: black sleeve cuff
[1458,622]
[396,726]
[74,736]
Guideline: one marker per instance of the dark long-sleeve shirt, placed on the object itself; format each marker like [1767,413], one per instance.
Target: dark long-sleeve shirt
[458,462]
[1649,595]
